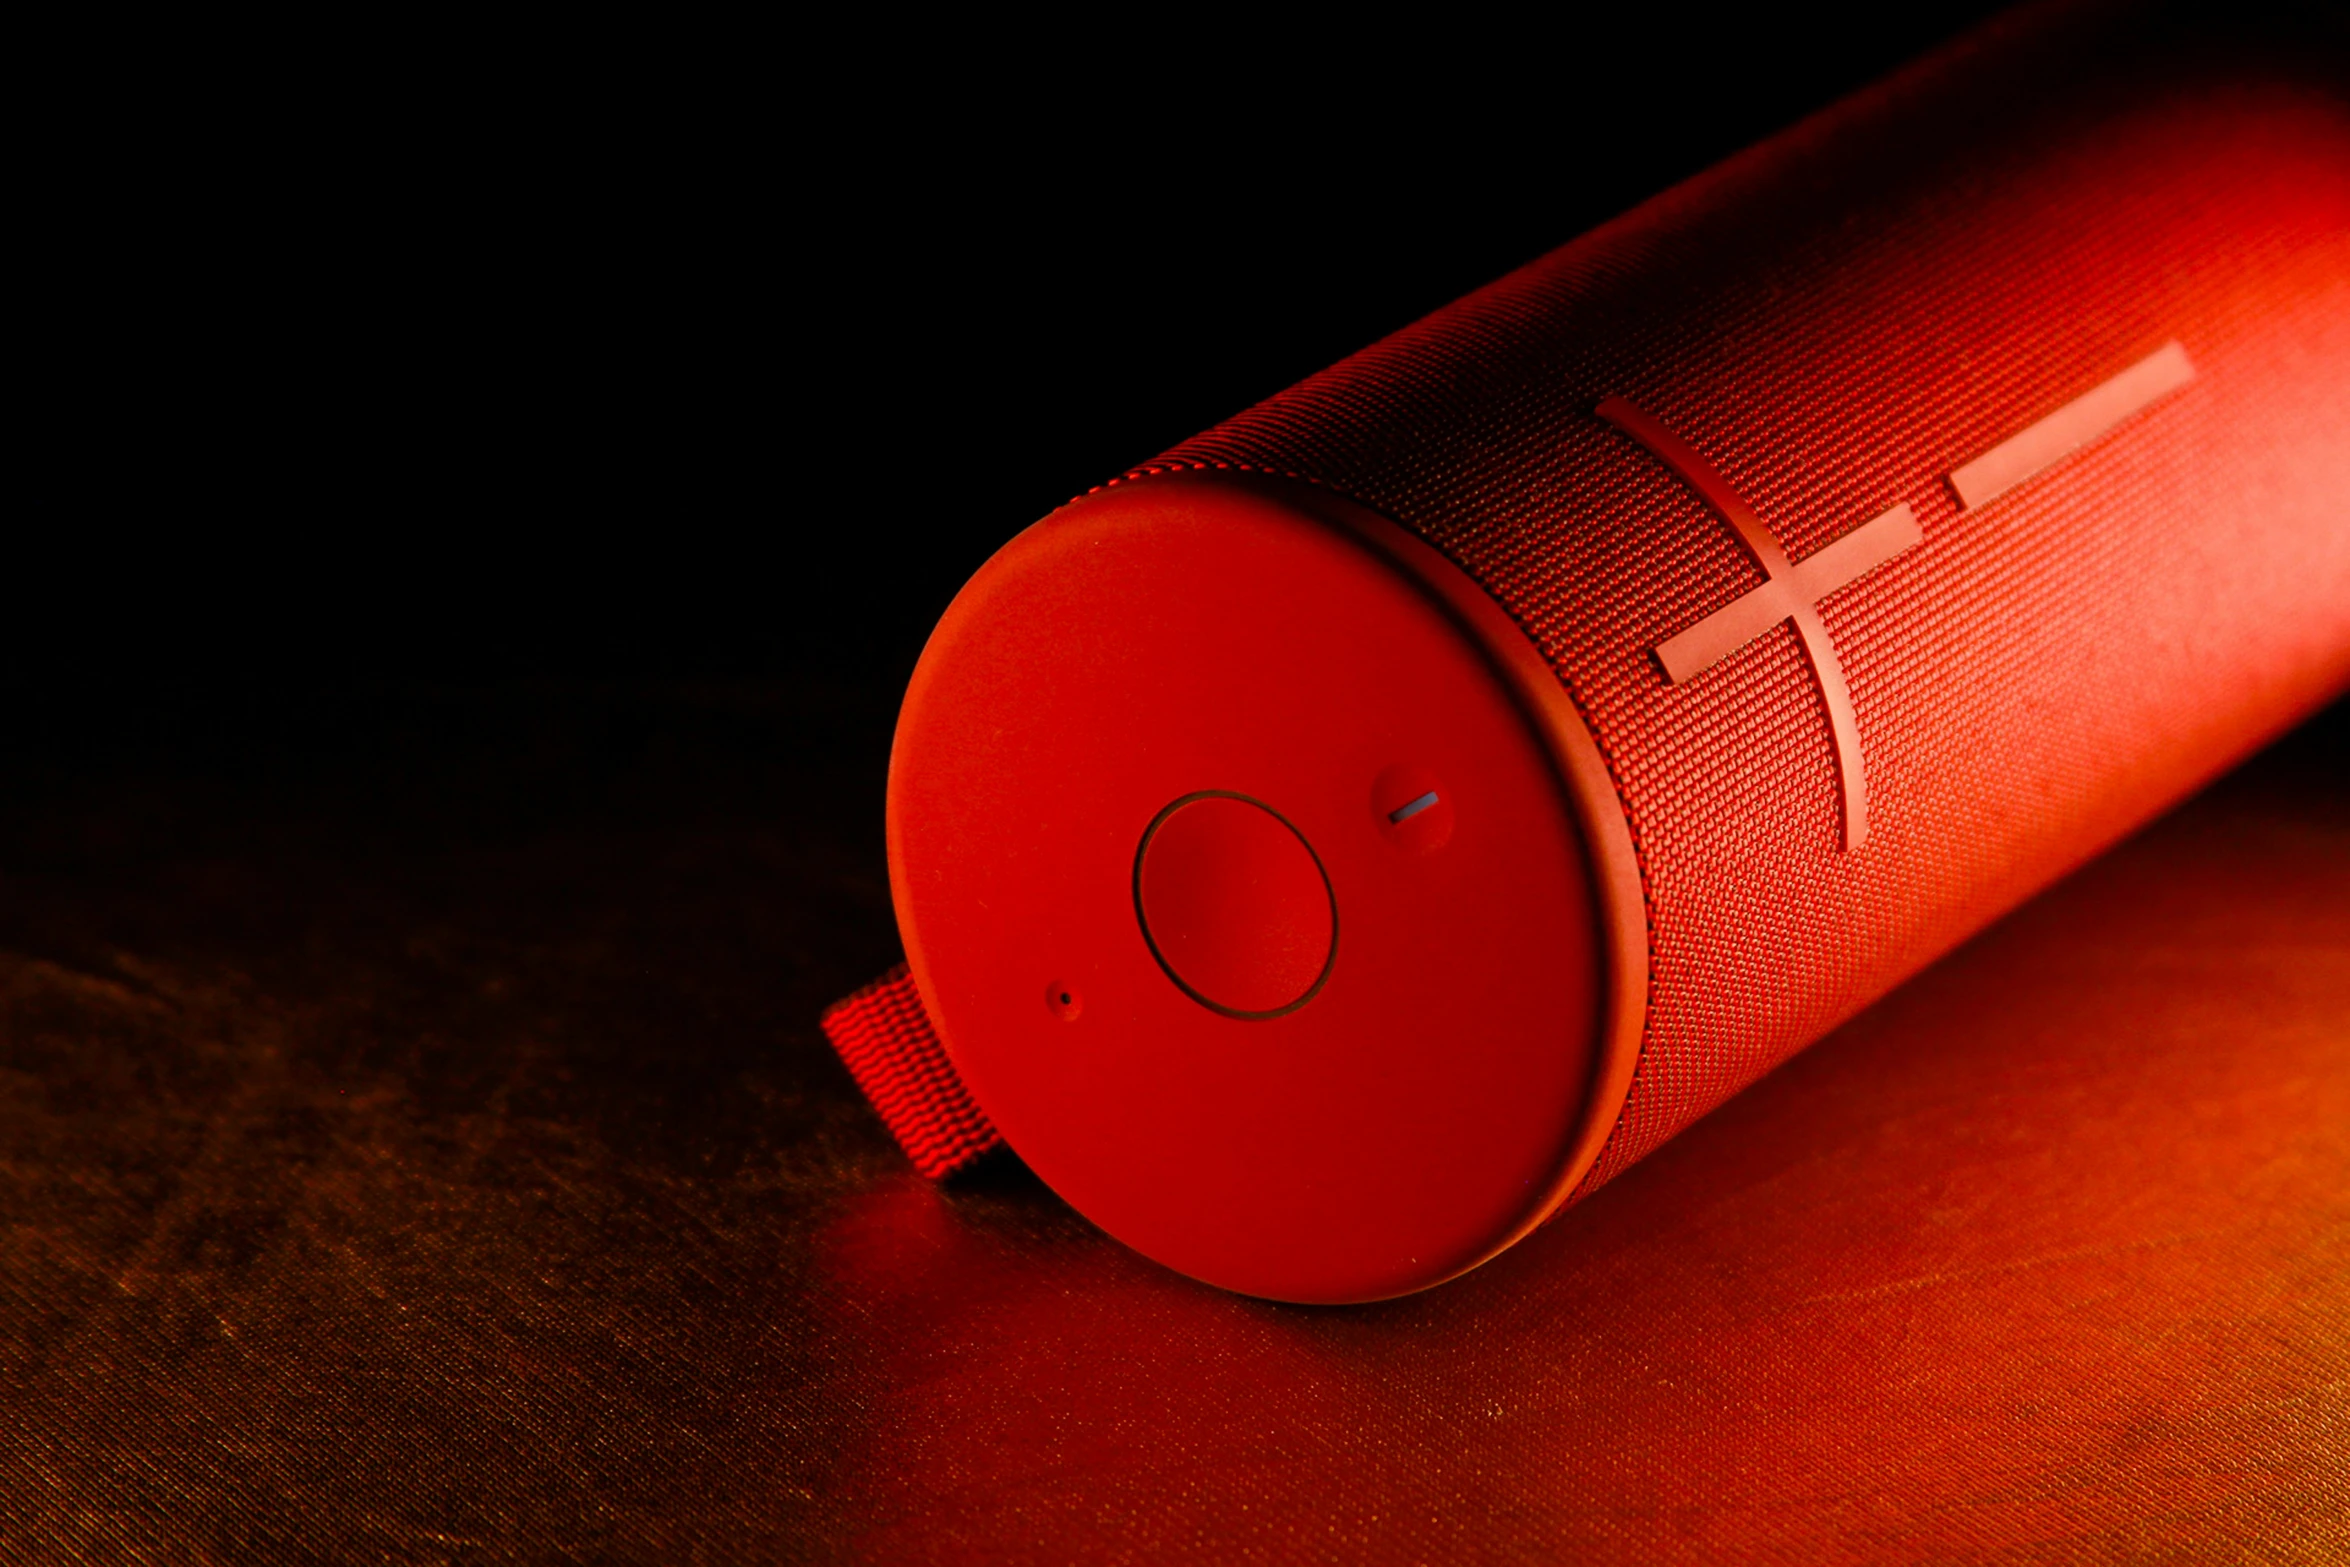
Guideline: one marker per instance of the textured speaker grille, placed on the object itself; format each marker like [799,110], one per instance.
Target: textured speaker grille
[1836,321]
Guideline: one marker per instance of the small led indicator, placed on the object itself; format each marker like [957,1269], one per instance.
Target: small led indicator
[1411,808]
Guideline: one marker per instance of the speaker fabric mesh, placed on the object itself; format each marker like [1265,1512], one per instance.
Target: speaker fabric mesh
[1837,320]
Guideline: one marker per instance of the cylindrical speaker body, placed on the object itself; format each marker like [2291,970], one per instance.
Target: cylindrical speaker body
[1333,847]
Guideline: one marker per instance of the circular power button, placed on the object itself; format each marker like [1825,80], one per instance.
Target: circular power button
[1235,905]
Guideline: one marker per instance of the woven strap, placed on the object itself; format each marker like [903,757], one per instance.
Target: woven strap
[886,1039]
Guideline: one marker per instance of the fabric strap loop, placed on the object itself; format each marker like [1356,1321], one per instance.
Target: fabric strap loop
[889,1046]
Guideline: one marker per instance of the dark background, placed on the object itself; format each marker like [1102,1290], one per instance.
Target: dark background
[719,357]
[479,500]
[450,446]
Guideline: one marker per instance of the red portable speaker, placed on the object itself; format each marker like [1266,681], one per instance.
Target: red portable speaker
[1329,850]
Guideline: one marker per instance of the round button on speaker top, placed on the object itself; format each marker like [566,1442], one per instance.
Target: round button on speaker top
[1235,905]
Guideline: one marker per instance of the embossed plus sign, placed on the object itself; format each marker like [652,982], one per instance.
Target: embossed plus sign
[1790,591]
